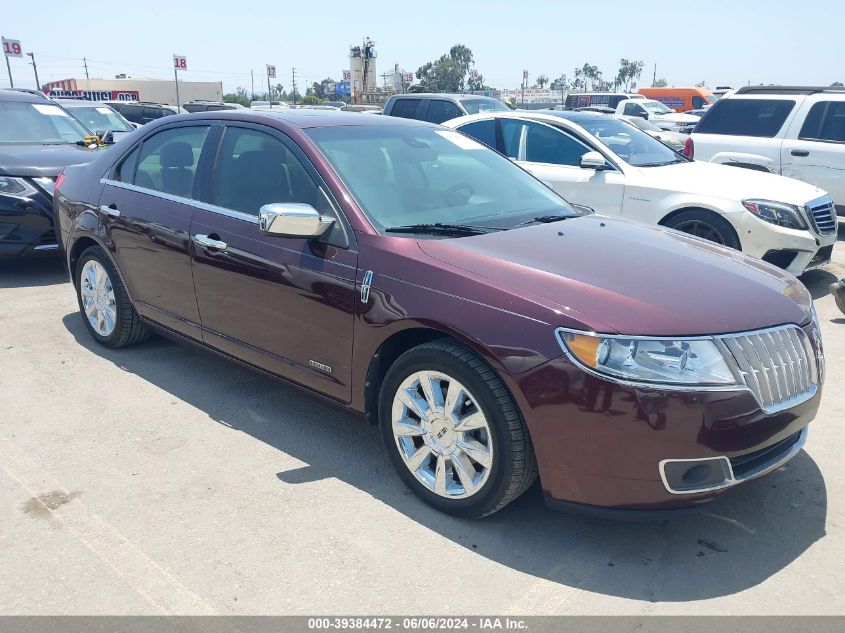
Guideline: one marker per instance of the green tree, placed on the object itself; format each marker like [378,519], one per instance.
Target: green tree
[837,84]
[239,96]
[660,83]
[628,71]
[561,83]
[541,81]
[586,77]
[311,100]
[450,72]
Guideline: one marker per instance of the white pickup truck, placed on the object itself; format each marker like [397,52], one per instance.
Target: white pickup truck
[792,131]
[657,113]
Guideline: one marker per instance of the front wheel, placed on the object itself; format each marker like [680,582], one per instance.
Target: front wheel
[453,432]
[706,225]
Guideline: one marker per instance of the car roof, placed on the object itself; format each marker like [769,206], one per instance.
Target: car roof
[307,118]
[79,102]
[441,95]
[785,90]
[16,95]
[547,116]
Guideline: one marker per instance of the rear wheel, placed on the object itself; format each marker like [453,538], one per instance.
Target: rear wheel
[453,431]
[106,310]
[706,225]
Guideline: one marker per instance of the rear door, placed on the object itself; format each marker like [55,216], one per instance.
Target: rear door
[147,204]
[440,110]
[283,304]
[814,148]
[407,108]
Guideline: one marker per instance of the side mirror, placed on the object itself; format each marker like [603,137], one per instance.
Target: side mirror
[583,208]
[594,160]
[643,115]
[292,220]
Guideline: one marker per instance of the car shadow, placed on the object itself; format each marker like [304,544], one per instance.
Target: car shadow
[818,282]
[740,540]
[21,273]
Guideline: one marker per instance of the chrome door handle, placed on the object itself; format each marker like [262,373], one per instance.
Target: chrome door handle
[204,240]
[110,211]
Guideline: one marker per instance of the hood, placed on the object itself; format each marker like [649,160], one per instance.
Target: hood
[733,183]
[41,160]
[676,117]
[630,278]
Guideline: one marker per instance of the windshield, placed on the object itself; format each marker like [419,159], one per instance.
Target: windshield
[35,123]
[100,118]
[406,175]
[629,143]
[474,106]
[655,107]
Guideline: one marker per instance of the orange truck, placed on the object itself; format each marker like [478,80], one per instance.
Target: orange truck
[680,99]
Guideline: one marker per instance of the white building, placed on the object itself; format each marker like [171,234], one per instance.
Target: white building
[136,89]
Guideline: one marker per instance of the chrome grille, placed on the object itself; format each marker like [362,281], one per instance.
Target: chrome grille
[823,214]
[776,365]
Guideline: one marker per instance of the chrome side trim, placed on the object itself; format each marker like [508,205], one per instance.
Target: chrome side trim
[733,480]
[366,284]
[238,215]
[46,247]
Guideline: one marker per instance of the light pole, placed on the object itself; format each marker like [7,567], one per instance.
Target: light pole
[35,69]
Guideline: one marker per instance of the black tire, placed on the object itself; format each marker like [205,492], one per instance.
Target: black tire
[514,467]
[706,225]
[128,328]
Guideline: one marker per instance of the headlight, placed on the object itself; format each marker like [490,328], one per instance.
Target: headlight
[779,213]
[680,362]
[17,187]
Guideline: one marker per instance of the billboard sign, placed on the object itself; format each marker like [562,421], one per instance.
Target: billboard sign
[343,88]
[95,95]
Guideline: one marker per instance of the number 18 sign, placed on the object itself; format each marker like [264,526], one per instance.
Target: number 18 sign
[180,63]
[12,48]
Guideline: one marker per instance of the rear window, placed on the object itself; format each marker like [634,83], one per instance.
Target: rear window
[746,117]
[405,108]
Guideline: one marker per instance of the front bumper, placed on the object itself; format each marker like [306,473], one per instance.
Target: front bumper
[793,250]
[26,226]
[604,446]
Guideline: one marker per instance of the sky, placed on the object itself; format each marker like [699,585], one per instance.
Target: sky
[721,42]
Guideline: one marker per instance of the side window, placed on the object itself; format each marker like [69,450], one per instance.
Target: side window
[440,110]
[154,113]
[125,171]
[132,112]
[825,122]
[632,109]
[698,102]
[762,118]
[405,108]
[168,160]
[481,131]
[544,144]
[513,132]
[254,169]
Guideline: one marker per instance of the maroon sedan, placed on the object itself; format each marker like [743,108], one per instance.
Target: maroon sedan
[408,273]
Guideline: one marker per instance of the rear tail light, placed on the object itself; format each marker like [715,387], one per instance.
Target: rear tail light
[59,182]
[689,148]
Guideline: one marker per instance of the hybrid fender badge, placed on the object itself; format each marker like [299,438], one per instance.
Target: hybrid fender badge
[320,366]
[365,286]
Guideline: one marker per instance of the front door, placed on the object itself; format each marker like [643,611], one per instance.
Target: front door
[554,156]
[147,204]
[283,304]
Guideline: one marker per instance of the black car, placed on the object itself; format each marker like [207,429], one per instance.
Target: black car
[440,107]
[208,106]
[38,139]
[141,112]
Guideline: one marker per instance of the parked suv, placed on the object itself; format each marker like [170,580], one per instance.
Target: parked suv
[436,107]
[142,112]
[793,131]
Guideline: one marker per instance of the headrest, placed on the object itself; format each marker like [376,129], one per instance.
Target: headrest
[177,154]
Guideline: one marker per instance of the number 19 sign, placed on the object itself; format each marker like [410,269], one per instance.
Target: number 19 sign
[12,48]
[180,63]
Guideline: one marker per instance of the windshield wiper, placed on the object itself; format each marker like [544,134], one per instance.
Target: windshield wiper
[543,219]
[439,228]
[662,164]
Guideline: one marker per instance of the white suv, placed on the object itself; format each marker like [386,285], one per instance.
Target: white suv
[793,131]
[604,163]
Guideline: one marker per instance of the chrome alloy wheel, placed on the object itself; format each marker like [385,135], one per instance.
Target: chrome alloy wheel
[98,297]
[442,435]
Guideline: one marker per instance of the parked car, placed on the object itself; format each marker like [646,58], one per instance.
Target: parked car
[675,140]
[335,104]
[206,106]
[142,112]
[607,164]
[438,107]
[99,117]
[793,131]
[596,108]
[578,100]
[680,99]
[38,138]
[369,109]
[408,273]
[654,111]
